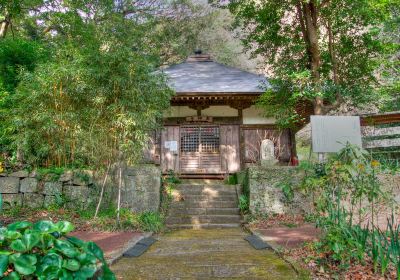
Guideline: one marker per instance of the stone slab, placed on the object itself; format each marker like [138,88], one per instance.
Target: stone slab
[140,247]
[52,188]
[257,242]
[49,200]
[148,241]
[66,176]
[11,200]
[29,185]
[9,185]
[33,200]
[136,251]
[20,174]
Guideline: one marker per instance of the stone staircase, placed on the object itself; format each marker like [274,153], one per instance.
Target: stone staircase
[204,206]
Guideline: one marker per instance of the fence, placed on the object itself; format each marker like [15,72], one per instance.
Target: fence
[381,135]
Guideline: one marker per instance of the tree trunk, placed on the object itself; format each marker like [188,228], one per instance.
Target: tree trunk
[102,191]
[311,20]
[4,26]
[119,194]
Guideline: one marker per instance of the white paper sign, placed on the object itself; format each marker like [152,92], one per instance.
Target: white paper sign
[171,145]
[331,133]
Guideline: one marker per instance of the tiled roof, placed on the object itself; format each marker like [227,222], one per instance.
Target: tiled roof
[206,76]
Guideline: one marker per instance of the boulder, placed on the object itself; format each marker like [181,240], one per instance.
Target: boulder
[29,185]
[52,188]
[49,200]
[9,185]
[33,200]
[66,176]
[20,174]
[11,200]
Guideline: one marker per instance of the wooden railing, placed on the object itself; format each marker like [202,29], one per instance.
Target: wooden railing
[381,133]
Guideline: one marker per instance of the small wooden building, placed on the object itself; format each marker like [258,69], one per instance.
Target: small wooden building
[213,127]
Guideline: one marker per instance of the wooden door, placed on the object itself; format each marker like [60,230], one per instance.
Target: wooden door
[230,148]
[200,149]
[170,155]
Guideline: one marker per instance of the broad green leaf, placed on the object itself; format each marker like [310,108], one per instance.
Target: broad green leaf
[12,276]
[18,226]
[66,248]
[66,275]
[45,226]
[85,272]
[19,246]
[3,264]
[51,272]
[76,241]
[12,235]
[25,264]
[51,260]
[65,227]
[107,274]
[31,240]
[46,241]
[71,264]
[87,258]
[95,250]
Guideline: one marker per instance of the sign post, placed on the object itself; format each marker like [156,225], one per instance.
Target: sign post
[331,133]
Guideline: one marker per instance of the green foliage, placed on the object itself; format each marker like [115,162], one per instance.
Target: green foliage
[244,203]
[351,176]
[232,179]
[150,221]
[317,51]
[16,56]
[287,190]
[43,251]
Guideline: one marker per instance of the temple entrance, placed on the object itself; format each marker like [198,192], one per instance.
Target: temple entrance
[200,149]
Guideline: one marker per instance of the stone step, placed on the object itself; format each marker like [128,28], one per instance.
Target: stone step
[204,211]
[203,192]
[203,226]
[213,187]
[202,219]
[203,204]
[205,197]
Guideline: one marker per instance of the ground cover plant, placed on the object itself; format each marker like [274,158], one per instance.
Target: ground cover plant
[346,195]
[44,251]
[84,221]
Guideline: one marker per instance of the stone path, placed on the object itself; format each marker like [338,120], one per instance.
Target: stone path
[113,244]
[204,254]
[289,237]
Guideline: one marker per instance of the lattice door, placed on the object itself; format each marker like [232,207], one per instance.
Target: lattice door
[200,149]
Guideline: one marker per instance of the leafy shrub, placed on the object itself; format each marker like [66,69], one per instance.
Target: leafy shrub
[43,251]
[150,221]
[244,203]
[351,176]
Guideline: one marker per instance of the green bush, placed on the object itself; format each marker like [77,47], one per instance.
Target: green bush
[43,251]
[244,203]
[150,221]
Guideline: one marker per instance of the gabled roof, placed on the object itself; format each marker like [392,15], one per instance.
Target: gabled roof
[199,74]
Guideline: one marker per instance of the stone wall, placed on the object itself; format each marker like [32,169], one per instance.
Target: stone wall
[78,189]
[31,190]
[266,195]
[141,190]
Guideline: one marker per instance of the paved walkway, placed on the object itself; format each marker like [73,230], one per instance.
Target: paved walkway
[289,237]
[204,254]
[113,244]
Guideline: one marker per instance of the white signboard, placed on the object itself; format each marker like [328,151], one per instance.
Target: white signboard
[171,145]
[331,133]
